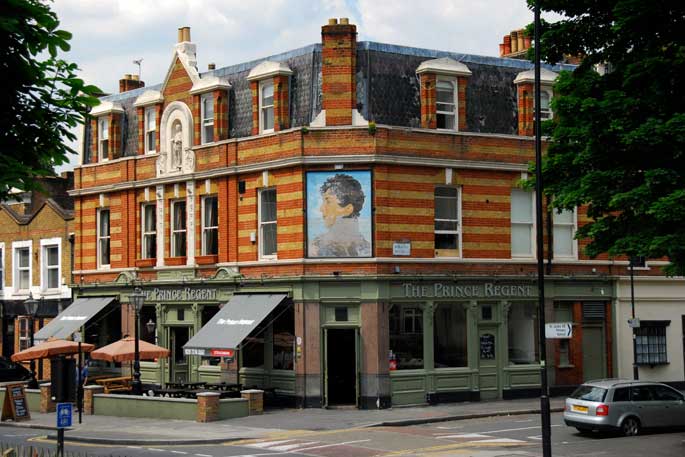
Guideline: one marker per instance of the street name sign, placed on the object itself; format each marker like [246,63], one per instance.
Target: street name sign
[559,330]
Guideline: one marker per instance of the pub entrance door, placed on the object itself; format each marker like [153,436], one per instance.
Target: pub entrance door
[341,366]
[488,362]
[178,361]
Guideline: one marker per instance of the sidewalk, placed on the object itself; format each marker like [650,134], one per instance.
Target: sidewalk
[139,431]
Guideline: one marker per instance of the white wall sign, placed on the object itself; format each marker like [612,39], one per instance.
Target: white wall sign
[559,330]
[401,248]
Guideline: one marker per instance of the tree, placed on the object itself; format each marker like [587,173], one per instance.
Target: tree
[42,99]
[617,140]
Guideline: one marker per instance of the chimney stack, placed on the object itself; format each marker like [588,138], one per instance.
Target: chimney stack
[211,66]
[130,82]
[183,34]
[339,42]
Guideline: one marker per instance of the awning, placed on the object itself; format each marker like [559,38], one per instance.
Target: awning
[229,327]
[72,318]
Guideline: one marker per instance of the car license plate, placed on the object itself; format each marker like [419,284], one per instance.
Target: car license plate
[580,409]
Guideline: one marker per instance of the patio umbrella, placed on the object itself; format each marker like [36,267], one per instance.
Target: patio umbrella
[124,351]
[51,348]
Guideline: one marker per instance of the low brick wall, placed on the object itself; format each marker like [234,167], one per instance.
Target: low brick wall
[208,407]
[47,405]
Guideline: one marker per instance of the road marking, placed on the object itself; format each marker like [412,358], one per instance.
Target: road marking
[500,440]
[290,447]
[155,449]
[515,429]
[266,444]
[450,428]
[466,435]
[203,455]
[537,437]
[179,452]
[332,445]
[134,447]
[527,420]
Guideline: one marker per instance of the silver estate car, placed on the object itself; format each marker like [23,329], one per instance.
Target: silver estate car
[625,406]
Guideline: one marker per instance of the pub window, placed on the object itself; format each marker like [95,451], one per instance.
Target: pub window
[284,339]
[149,231]
[446,221]
[150,130]
[24,334]
[208,313]
[103,238]
[267,223]
[523,333]
[449,336]
[207,106]
[445,104]
[103,139]
[148,324]
[650,340]
[406,336]
[22,268]
[178,229]
[51,274]
[210,226]
[521,223]
[252,348]
[266,106]
[564,246]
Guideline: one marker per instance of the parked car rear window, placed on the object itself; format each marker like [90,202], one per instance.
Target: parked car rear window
[589,393]
[622,394]
[664,393]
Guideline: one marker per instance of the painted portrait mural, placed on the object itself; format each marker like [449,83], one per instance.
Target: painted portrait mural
[339,213]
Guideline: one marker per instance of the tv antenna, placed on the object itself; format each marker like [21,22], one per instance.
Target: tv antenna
[138,62]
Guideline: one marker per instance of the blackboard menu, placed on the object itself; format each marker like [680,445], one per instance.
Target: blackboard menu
[487,346]
[16,406]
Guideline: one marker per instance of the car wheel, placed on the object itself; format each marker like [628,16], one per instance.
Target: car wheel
[630,426]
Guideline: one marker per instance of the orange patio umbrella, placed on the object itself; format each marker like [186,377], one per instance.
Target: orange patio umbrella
[51,348]
[124,351]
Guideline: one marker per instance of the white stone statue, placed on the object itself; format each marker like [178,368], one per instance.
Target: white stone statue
[177,147]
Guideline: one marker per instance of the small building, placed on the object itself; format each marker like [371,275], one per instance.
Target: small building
[36,249]
[342,223]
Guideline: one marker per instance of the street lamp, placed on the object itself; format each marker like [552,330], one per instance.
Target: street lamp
[137,298]
[31,305]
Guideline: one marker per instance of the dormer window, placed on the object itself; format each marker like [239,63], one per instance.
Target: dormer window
[207,116]
[545,109]
[103,139]
[266,106]
[445,104]
[150,130]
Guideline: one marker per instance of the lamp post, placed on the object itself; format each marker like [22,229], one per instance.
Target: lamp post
[636,372]
[137,298]
[31,305]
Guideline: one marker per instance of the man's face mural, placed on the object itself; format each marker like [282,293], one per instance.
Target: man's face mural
[330,208]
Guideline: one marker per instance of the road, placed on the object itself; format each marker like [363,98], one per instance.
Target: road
[490,437]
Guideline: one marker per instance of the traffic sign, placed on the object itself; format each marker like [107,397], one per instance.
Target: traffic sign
[559,330]
[64,415]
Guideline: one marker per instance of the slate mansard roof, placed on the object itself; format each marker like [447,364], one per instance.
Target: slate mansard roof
[387,90]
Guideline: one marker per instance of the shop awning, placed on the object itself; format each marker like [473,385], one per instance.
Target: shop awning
[72,318]
[229,327]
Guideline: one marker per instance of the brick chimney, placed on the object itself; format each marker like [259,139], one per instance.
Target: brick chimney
[339,41]
[130,82]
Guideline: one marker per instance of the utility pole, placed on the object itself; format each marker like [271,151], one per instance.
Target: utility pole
[544,387]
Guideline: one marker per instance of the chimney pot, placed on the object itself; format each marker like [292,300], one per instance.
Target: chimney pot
[332,21]
[127,76]
[344,21]
[211,66]
[135,77]
[186,33]
[180,34]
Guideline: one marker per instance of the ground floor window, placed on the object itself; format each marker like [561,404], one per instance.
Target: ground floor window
[406,337]
[523,333]
[650,339]
[252,348]
[449,336]
[284,338]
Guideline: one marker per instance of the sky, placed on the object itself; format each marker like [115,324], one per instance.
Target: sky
[109,34]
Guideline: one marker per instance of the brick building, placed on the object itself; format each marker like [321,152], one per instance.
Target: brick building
[36,236]
[356,206]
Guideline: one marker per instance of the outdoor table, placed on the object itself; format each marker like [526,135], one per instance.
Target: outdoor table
[169,392]
[186,385]
[223,386]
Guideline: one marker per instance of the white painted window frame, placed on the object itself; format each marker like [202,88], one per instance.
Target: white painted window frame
[459,219]
[574,242]
[99,238]
[455,86]
[45,244]
[204,120]
[206,229]
[145,234]
[174,230]
[533,243]
[150,115]
[103,135]
[2,268]
[16,269]
[262,223]
[262,108]
[546,114]
[24,334]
